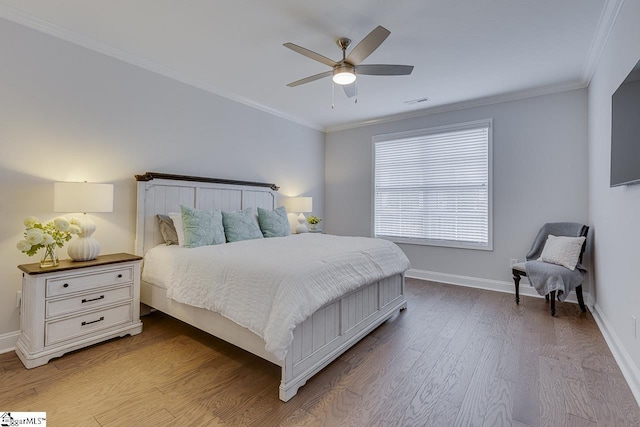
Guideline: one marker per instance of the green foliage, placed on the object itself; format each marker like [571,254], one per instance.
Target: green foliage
[311,219]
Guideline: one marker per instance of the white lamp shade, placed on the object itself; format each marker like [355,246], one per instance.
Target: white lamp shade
[82,197]
[300,204]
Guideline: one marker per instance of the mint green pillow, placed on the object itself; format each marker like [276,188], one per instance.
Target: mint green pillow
[274,223]
[201,228]
[241,225]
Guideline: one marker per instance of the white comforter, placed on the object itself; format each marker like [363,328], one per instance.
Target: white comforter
[271,285]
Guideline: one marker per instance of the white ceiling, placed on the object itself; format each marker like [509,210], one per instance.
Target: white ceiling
[462,50]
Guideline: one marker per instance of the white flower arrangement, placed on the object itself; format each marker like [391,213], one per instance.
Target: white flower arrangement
[38,235]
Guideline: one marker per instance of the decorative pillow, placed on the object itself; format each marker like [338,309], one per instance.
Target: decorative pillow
[176,218]
[274,223]
[241,225]
[562,250]
[201,227]
[168,230]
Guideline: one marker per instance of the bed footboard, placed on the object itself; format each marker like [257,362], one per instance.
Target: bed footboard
[336,327]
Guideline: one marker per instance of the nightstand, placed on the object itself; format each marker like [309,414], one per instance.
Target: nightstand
[77,304]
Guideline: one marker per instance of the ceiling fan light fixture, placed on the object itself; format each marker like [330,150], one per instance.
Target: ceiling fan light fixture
[344,74]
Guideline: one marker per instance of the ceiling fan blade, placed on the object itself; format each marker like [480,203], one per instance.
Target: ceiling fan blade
[349,90]
[311,54]
[368,44]
[384,70]
[310,79]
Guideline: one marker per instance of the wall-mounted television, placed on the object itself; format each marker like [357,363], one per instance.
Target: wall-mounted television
[625,131]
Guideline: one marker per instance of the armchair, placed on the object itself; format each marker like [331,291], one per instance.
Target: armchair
[552,280]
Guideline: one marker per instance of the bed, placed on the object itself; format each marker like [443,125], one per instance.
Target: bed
[317,340]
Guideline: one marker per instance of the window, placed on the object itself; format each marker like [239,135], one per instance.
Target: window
[433,186]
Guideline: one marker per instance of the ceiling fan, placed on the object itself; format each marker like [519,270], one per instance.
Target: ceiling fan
[344,72]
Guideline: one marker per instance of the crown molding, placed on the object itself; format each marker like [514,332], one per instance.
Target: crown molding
[607,21]
[478,102]
[46,27]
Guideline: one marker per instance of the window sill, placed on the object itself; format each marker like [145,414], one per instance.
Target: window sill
[438,243]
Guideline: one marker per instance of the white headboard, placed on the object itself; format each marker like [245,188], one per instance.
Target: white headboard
[160,193]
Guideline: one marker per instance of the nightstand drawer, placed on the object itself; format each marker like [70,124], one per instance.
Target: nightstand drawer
[77,326]
[77,283]
[89,301]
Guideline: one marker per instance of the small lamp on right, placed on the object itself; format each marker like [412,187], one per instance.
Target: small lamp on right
[301,205]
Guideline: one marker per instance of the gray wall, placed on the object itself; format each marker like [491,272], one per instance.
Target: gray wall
[539,175]
[614,212]
[70,114]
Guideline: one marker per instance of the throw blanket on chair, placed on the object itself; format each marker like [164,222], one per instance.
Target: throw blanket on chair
[546,277]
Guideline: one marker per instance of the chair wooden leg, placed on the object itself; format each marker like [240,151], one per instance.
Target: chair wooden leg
[553,302]
[546,297]
[581,299]
[516,280]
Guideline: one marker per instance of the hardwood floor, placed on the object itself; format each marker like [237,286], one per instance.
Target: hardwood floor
[456,357]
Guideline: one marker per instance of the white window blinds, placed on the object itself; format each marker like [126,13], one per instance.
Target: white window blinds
[433,186]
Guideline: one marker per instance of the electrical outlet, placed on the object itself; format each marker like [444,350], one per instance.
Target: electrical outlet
[512,261]
[18,299]
[635,329]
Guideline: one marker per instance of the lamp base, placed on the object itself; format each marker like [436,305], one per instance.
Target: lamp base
[85,247]
[301,227]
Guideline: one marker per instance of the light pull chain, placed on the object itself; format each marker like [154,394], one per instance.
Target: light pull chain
[356,88]
[333,96]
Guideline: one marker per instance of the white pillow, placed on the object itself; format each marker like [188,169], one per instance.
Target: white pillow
[177,223]
[562,250]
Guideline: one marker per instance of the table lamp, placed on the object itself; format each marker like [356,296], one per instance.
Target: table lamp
[301,205]
[83,197]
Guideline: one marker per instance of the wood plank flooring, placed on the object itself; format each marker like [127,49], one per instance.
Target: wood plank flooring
[456,357]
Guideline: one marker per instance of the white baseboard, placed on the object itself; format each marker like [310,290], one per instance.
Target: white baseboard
[627,366]
[8,341]
[488,284]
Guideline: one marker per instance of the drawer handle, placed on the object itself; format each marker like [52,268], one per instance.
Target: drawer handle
[93,299]
[119,276]
[94,321]
[66,285]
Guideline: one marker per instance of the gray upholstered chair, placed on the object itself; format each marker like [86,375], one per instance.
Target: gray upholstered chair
[557,229]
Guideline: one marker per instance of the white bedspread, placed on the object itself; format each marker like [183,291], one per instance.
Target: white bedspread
[271,285]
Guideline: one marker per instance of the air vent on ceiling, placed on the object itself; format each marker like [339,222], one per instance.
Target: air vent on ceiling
[416,101]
